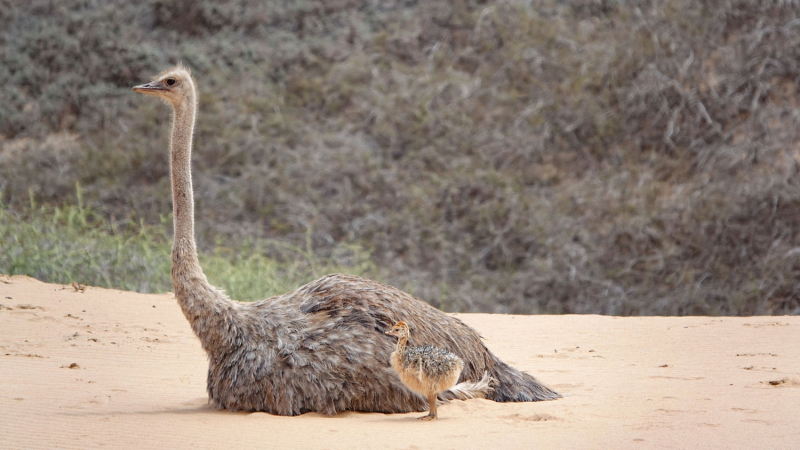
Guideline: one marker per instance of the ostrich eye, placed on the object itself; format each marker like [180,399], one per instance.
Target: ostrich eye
[170,81]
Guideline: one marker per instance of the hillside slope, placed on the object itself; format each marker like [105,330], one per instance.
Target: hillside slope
[530,157]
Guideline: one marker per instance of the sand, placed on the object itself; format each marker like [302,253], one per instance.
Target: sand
[105,368]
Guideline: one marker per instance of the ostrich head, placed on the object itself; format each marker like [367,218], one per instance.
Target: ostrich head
[174,85]
[400,329]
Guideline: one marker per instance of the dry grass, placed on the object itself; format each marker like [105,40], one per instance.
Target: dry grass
[557,157]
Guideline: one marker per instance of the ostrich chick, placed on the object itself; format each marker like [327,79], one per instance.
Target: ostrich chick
[425,370]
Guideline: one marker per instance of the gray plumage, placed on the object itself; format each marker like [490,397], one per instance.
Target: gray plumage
[432,361]
[318,348]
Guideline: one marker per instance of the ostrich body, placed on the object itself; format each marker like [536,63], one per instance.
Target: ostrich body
[320,348]
[425,370]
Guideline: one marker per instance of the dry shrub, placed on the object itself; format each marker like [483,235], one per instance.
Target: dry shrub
[502,156]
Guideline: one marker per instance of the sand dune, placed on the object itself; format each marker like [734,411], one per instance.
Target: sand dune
[106,368]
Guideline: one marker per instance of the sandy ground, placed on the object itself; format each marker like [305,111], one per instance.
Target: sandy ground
[105,368]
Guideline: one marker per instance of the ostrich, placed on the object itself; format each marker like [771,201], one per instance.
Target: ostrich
[320,348]
[425,370]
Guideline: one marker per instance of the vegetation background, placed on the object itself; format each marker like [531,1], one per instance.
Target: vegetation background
[576,156]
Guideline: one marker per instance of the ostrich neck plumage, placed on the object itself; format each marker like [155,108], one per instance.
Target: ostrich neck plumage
[401,344]
[206,308]
[181,170]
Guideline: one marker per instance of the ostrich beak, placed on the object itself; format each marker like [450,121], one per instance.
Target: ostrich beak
[149,88]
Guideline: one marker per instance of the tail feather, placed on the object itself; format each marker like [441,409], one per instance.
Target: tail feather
[468,390]
[516,386]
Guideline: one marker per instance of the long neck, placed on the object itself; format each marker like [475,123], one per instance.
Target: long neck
[181,167]
[195,294]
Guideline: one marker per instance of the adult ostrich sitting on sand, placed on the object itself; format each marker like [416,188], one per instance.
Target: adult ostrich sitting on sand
[322,347]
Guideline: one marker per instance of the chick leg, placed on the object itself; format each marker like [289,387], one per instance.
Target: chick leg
[431,407]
